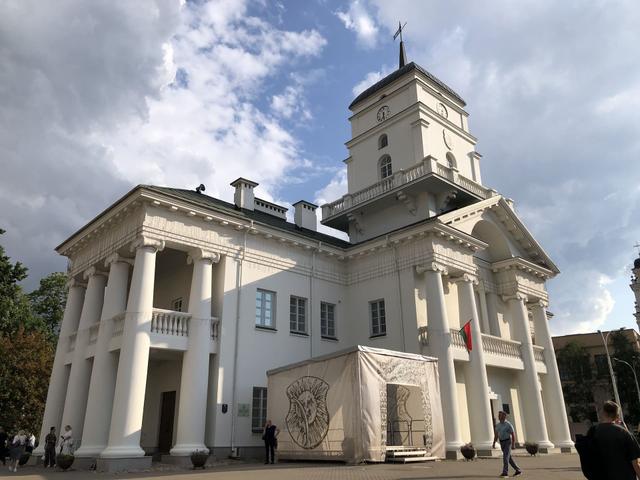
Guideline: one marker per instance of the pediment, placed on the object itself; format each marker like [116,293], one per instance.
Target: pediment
[511,236]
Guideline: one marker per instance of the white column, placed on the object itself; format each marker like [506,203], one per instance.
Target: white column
[76,402]
[131,380]
[534,419]
[103,376]
[192,409]
[557,422]
[439,338]
[59,372]
[480,419]
[484,311]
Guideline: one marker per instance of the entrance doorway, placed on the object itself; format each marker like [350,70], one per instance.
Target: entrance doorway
[167,415]
[405,416]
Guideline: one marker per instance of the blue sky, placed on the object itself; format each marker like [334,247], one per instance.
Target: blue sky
[100,96]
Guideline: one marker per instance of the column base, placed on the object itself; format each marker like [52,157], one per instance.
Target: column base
[186,449]
[84,463]
[90,451]
[179,460]
[114,465]
[122,452]
[453,455]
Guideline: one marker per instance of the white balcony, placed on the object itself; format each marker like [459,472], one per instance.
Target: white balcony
[429,171]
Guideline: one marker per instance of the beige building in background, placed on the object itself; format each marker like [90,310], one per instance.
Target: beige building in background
[179,303]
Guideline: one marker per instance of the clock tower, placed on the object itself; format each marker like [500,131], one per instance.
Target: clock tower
[411,156]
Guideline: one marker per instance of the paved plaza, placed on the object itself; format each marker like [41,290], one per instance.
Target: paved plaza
[556,467]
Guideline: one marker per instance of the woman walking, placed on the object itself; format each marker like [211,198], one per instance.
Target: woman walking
[17,449]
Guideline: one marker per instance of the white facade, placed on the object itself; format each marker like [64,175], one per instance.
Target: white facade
[164,288]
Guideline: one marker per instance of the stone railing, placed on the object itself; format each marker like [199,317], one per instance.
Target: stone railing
[501,346]
[168,322]
[214,328]
[118,325]
[72,342]
[400,178]
[538,353]
[456,339]
[93,333]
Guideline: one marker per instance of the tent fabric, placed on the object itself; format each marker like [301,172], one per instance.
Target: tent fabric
[336,407]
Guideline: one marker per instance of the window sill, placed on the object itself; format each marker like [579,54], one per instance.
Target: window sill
[257,430]
[378,335]
[298,334]
[332,339]
[266,329]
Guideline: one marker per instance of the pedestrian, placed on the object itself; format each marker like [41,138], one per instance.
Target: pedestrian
[66,445]
[506,434]
[4,439]
[31,443]
[270,437]
[618,451]
[50,442]
[18,445]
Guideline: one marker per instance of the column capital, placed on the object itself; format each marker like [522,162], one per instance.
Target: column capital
[516,296]
[115,258]
[539,303]
[91,271]
[202,254]
[466,278]
[431,267]
[144,241]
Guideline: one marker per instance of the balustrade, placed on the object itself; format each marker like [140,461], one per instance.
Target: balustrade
[538,353]
[168,322]
[501,346]
[423,336]
[93,333]
[399,179]
[72,342]
[118,325]
[456,339]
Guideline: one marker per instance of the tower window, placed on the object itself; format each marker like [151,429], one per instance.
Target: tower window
[451,160]
[385,167]
[383,141]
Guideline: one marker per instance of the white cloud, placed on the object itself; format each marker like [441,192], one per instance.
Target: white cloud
[359,20]
[99,96]
[371,78]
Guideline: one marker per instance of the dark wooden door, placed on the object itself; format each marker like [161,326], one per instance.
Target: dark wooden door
[167,414]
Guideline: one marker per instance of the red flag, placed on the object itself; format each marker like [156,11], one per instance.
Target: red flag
[465,332]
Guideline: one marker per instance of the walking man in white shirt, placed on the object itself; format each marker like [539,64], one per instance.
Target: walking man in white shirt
[507,436]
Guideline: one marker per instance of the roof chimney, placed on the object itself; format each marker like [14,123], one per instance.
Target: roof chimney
[305,215]
[243,197]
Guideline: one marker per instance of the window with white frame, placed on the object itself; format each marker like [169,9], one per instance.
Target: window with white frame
[177,305]
[378,318]
[258,409]
[327,320]
[298,315]
[385,167]
[265,309]
[383,141]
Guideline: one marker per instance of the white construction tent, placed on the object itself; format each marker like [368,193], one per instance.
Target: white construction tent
[357,405]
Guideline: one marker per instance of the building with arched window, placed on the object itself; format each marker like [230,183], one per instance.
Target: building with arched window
[179,303]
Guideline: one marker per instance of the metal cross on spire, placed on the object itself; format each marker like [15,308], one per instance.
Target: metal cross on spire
[403,55]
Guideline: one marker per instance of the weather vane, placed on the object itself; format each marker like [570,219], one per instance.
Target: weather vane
[399,32]
[403,56]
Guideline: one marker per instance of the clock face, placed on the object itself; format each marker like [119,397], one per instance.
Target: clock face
[383,113]
[442,110]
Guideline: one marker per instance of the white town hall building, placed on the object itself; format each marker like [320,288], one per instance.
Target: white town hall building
[179,303]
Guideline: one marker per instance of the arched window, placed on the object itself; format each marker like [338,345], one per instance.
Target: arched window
[383,141]
[385,167]
[451,160]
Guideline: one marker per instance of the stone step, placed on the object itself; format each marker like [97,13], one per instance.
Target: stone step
[407,453]
[422,458]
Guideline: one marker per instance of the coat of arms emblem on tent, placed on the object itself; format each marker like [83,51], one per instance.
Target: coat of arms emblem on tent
[308,417]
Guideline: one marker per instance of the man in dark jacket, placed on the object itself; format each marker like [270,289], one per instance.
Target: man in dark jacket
[618,450]
[50,448]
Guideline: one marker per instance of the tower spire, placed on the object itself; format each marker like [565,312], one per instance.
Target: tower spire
[403,55]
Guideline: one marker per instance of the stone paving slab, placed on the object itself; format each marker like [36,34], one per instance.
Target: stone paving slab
[551,467]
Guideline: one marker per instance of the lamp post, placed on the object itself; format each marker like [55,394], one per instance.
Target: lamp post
[635,377]
[605,339]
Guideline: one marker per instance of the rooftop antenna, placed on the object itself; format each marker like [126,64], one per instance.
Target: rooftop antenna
[200,188]
[403,55]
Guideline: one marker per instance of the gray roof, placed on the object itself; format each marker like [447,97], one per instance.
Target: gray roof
[225,207]
[397,74]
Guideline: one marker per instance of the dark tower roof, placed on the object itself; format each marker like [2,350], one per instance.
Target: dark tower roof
[636,263]
[409,67]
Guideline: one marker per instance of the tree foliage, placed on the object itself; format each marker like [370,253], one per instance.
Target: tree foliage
[29,326]
[573,360]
